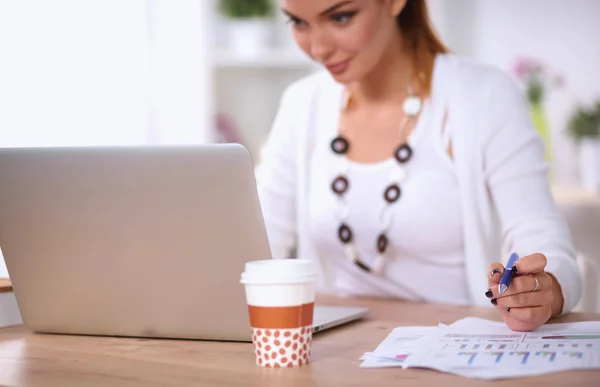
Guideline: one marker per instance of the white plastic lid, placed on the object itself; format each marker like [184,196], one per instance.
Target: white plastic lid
[279,271]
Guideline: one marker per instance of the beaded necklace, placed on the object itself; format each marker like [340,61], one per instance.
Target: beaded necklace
[340,145]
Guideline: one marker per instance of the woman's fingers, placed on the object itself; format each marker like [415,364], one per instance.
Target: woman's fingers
[495,273]
[527,319]
[527,304]
[531,264]
[524,300]
[523,284]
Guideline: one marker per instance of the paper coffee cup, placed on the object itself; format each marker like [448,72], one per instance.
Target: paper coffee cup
[281,294]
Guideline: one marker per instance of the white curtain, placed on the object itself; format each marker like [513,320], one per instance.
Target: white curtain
[104,72]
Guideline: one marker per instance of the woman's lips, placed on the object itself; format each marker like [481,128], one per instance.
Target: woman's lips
[337,68]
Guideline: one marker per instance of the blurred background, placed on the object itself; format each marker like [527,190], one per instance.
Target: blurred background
[110,72]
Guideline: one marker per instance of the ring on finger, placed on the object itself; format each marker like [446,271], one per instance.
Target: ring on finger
[537,284]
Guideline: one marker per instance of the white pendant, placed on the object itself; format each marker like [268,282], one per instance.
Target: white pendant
[342,210]
[350,252]
[378,263]
[412,105]
[385,218]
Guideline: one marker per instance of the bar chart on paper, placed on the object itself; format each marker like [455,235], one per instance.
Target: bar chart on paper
[480,358]
[485,349]
[519,357]
[500,353]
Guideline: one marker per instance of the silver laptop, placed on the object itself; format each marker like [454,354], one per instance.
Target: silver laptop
[134,240]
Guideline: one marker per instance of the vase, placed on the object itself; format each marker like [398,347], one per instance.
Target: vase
[540,122]
[538,116]
[589,164]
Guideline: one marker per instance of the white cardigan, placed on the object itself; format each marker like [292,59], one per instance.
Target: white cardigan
[506,200]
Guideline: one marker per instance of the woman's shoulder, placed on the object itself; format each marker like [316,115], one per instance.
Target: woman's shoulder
[479,89]
[471,70]
[476,79]
[482,97]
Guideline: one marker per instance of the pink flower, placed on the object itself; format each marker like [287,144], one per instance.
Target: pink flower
[525,67]
[536,77]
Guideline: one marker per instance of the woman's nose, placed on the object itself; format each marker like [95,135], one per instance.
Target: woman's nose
[321,46]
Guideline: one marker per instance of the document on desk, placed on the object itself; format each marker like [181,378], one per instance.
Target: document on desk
[397,347]
[403,341]
[489,350]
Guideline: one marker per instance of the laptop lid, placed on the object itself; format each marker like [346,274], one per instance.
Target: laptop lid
[131,241]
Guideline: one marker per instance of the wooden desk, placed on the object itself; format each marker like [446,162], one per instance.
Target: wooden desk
[46,360]
[5,285]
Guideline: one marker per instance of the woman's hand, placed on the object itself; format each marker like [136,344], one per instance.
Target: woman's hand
[533,295]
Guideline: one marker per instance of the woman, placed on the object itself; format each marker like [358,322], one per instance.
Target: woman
[405,171]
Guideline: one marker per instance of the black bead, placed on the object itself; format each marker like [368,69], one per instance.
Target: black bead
[340,185]
[403,153]
[340,145]
[392,193]
[362,266]
[382,243]
[345,233]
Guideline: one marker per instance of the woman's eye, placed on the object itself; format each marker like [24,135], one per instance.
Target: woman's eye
[297,23]
[342,18]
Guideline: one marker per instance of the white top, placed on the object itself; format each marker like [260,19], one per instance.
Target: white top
[426,229]
[504,196]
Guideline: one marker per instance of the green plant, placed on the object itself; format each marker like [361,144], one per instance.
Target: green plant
[244,9]
[585,122]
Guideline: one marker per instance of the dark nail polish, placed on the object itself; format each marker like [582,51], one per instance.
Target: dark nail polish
[494,302]
[489,293]
[515,270]
[508,310]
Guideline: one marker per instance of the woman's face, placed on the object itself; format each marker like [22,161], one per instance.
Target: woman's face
[347,37]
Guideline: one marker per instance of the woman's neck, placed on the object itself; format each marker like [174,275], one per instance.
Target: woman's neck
[388,82]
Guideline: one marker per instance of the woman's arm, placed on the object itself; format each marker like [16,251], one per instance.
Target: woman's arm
[518,181]
[276,178]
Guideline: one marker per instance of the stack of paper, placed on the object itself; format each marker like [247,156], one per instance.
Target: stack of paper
[486,349]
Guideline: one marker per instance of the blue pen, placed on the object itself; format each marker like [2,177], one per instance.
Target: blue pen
[507,276]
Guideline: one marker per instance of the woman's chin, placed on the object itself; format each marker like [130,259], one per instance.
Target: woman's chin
[346,77]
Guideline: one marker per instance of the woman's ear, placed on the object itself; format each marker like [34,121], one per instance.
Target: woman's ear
[395,7]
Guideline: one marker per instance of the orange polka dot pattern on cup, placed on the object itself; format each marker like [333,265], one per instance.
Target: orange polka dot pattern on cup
[282,347]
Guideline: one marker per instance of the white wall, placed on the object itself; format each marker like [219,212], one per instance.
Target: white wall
[179,35]
[104,72]
[563,33]
[72,72]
